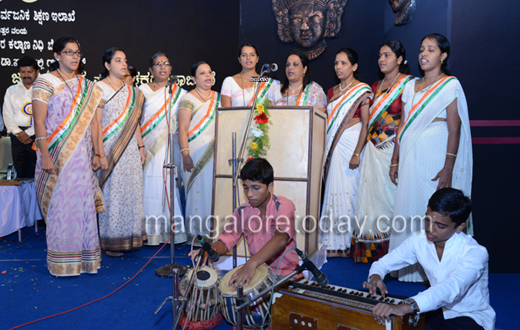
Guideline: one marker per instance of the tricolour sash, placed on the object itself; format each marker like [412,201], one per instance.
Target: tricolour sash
[264,88]
[64,140]
[382,103]
[127,125]
[304,96]
[340,116]
[159,116]
[207,118]
[416,109]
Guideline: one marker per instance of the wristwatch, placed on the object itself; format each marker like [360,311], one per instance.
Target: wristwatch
[412,304]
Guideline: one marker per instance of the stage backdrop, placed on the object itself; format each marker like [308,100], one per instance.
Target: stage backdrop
[188,31]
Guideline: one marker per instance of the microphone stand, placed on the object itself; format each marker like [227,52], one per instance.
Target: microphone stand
[177,317]
[179,309]
[166,270]
[236,162]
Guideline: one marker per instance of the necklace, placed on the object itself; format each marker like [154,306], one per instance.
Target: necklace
[389,87]
[341,89]
[295,89]
[427,88]
[204,97]
[65,81]
[114,87]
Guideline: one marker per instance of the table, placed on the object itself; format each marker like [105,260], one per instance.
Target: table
[18,208]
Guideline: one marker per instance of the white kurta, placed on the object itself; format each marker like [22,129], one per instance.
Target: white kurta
[459,281]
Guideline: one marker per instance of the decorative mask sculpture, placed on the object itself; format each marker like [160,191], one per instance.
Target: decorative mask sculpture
[307,22]
[405,9]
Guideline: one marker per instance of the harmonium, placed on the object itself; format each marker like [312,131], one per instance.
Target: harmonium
[303,304]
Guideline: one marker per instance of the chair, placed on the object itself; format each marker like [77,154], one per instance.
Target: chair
[7,171]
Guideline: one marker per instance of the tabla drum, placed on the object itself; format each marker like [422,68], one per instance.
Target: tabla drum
[202,309]
[253,315]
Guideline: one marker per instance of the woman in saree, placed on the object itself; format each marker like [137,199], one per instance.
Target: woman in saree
[347,119]
[238,90]
[121,226]
[433,148]
[376,193]
[158,120]
[65,122]
[297,88]
[196,140]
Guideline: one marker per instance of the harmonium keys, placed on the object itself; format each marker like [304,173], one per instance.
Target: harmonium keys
[305,305]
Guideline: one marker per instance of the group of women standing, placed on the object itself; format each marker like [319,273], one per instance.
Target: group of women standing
[418,140]
[389,147]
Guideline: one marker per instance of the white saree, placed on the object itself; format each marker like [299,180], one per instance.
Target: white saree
[422,155]
[341,182]
[198,183]
[154,130]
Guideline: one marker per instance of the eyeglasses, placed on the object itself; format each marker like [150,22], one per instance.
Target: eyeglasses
[159,64]
[71,53]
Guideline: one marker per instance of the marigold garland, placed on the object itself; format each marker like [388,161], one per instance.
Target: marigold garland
[259,134]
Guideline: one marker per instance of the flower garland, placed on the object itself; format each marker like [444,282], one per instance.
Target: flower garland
[259,133]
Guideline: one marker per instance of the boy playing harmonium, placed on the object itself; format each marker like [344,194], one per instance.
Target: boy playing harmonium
[456,266]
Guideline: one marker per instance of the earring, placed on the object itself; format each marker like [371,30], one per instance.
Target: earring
[399,63]
[442,61]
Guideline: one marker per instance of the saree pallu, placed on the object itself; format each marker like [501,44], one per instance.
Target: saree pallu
[67,199]
[156,179]
[198,183]
[341,182]
[121,226]
[376,192]
[423,147]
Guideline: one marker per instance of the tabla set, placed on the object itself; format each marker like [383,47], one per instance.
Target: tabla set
[211,295]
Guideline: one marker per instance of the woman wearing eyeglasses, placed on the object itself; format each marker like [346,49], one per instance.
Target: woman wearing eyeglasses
[64,107]
[197,139]
[158,119]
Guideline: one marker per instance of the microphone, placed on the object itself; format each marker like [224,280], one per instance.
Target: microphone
[268,68]
[213,255]
[320,277]
[171,80]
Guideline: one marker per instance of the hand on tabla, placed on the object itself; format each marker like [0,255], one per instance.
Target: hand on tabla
[194,256]
[242,277]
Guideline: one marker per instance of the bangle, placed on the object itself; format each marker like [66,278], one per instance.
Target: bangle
[139,147]
[448,154]
[356,154]
[40,138]
[97,155]
[185,149]
[397,159]
[392,165]
[102,156]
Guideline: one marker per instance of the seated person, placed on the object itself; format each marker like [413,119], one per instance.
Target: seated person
[456,266]
[269,225]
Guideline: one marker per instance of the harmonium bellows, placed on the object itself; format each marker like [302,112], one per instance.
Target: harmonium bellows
[305,305]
